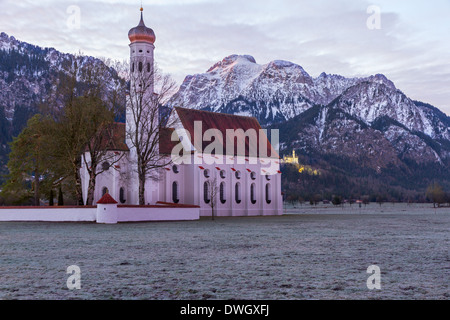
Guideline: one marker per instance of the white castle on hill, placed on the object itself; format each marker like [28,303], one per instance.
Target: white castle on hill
[248,183]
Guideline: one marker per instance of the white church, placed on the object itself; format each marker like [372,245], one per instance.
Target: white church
[247,183]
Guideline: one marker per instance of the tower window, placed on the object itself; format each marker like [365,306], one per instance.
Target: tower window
[140,51]
[148,67]
[140,66]
[132,67]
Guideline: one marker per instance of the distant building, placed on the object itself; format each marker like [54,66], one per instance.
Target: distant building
[291,160]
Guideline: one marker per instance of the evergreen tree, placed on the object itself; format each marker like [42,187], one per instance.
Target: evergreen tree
[28,162]
[50,200]
[60,197]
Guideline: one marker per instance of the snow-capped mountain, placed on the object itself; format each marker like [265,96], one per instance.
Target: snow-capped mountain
[281,91]
[274,92]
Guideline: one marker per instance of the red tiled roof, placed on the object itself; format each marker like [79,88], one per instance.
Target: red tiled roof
[113,138]
[166,144]
[107,199]
[224,122]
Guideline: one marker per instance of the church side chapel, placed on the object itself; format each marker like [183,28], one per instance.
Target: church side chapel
[244,180]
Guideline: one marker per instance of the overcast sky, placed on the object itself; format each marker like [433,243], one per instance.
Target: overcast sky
[410,43]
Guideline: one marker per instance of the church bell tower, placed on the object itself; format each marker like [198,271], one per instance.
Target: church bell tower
[141,96]
[142,46]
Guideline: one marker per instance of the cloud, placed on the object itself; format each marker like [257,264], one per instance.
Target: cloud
[412,48]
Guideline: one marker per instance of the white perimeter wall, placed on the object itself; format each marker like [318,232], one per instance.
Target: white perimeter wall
[55,214]
[137,214]
[90,214]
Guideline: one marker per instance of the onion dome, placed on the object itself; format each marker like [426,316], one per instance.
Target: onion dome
[141,33]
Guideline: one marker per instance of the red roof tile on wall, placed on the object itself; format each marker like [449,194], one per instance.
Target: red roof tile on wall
[107,199]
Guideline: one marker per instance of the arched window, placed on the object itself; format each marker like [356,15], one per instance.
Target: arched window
[206,195]
[148,67]
[237,192]
[253,193]
[140,66]
[175,197]
[122,196]
[223,198]
[268,193]
[104,191]
[132,67]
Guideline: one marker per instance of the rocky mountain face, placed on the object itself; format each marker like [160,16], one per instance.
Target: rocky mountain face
[27,75]
[275,92]
[356,125]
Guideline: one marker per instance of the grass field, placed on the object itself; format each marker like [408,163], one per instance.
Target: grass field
[308,253]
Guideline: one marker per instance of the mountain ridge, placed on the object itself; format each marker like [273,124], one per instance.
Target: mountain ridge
[28,73]
[330,120]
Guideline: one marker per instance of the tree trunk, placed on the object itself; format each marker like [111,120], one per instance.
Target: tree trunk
[37,201]
[78,188]
[142,189]
[91,189]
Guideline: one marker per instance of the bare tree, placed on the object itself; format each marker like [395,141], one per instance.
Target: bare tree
[213,192]
[147,115]
[436,194]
